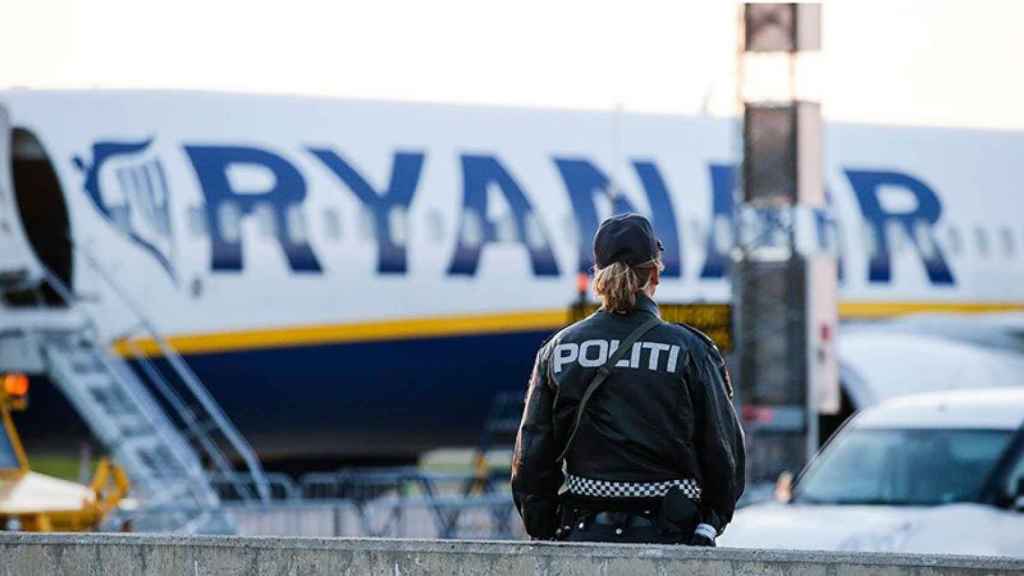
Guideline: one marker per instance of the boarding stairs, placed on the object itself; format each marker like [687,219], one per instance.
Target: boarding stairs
[151,413]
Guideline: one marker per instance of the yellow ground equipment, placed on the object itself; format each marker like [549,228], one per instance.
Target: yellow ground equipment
[38,503]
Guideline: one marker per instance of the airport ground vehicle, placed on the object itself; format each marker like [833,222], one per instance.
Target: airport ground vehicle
[38,503]
[941,473]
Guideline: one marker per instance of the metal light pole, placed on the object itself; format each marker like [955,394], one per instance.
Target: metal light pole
[784,274]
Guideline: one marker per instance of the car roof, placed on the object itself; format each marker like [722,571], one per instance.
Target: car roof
[990,408]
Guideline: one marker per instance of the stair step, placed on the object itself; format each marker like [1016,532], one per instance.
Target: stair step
[200,429]
[114,401]
[83,367]
[133,424]
[173,492]
[160,453]
[94,381]
[78,364]
[157,457]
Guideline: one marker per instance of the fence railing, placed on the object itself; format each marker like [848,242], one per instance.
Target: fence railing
[395,502]
[484,517]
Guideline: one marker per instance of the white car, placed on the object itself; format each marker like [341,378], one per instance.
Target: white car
[938,473]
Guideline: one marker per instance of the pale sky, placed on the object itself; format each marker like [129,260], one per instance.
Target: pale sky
[927,62]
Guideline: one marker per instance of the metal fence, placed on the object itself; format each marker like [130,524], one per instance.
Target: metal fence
[487,517]
[393,502]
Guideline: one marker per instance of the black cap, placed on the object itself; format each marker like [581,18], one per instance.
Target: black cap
[627,238]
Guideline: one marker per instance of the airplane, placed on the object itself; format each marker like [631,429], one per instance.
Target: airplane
[358,279]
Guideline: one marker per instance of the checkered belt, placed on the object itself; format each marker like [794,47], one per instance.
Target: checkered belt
[581,486]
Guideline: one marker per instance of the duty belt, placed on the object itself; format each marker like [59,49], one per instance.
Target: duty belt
[581,486]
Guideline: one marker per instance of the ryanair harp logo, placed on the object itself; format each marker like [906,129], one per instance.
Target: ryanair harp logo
[128,186]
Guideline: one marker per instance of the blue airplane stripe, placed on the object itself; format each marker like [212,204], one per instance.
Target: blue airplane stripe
[329,398]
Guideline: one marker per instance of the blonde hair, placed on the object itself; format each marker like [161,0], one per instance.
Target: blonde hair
[618,284]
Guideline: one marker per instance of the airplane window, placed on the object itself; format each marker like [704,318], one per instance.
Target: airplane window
[981,239]
[332,224]
[871,243]
[569,228]
[722,233]
[472,229]
[505,229]
[923,238]
[295,225]
[697,233]
[367,227]
[896,237]
[265,221]
[534,232]
[1007,238]
[398,224]
[228,216]
[954,241]
[825,234]
[122,216]
[839,236]
[435,224]
[197,221]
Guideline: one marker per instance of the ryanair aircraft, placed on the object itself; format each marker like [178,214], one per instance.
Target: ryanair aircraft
[359,278]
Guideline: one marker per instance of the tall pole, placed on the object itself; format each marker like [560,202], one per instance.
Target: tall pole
[784,273]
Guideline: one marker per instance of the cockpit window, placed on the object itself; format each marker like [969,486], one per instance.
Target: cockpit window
[903,467]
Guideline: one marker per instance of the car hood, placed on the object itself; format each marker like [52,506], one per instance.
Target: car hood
[950,529]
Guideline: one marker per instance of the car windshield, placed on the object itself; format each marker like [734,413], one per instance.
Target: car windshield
[903,467]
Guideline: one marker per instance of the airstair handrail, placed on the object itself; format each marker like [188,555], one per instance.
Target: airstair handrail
[179,405]
[66,295]
[178,364]
[238,442]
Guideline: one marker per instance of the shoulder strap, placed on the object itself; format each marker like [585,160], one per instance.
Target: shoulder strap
[602,374]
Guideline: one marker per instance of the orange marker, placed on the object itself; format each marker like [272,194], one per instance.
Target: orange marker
[15,384]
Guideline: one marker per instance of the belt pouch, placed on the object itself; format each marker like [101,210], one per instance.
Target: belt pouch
[678,515]
[568,516]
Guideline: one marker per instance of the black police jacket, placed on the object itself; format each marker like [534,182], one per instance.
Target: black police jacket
[664,414]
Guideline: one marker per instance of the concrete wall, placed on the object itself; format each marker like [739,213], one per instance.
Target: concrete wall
[101,554]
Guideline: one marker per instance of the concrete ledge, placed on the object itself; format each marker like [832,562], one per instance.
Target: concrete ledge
[117,554]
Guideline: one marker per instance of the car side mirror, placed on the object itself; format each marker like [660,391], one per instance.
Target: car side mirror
[784,487]
[1018,497]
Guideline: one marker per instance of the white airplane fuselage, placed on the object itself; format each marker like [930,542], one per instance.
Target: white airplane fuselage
[353,277]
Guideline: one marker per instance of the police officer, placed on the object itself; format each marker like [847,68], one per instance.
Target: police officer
[636,409]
